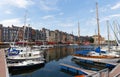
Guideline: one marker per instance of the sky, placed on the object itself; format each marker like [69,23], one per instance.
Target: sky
[62,15]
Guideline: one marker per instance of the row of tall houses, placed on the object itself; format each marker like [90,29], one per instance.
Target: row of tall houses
[59,36]
[15,34]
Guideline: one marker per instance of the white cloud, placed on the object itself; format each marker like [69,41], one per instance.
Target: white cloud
[91,11]
[67,1]
[101,9]
[116,6]
[91,22]
[51,16]
[48,17]
[61,13]
[20,3]
[66,24]
[48,5]
[109,17]
[8,12]
[9,22]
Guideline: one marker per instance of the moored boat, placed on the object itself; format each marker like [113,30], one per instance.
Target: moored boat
[27,64]
[24,53]
[95,56]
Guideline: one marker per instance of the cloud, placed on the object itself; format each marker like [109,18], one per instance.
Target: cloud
[15,3]
[116,6]
[103,9]
[8,12]
[91,11]
[109,17]
[91,21]
[48,5]
[100,10]
[68,24]
[51,16]
[48,17]
[9,22]
[67,1]
[61,13]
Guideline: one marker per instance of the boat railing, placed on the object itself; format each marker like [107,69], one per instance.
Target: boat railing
[12,64]
[101,73]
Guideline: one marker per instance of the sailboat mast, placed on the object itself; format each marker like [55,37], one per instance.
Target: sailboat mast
[24,27]
[108,35]
[79,31]
[98,24]
[95,38]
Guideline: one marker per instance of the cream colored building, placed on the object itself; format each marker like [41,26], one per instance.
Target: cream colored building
[95,37]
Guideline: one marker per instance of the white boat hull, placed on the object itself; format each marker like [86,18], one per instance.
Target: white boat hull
[102,60]
[24,64]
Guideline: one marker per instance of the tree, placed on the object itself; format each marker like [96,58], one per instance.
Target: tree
[91,40]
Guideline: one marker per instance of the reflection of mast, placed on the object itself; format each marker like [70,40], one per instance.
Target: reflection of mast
[79,31]
[98,24]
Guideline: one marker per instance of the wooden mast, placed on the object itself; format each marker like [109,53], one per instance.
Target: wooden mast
[24,28]
[78,32]
[98,24]
[108,35]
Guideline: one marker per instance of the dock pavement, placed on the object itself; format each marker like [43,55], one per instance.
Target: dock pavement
[3,64]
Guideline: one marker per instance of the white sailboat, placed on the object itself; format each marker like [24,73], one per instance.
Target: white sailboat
[23,52]
[116,32]
[97,54]
[108,48]
[24,56]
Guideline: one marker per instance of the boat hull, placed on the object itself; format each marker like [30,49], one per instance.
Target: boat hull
[23,70]
[109,63]
[95,58]
[25,67]
[23,59]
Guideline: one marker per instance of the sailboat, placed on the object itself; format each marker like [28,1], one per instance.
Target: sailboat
[24,56]
[23,53]
[19,53]
[116,32]
[97,54]
[112,49]
[19,60]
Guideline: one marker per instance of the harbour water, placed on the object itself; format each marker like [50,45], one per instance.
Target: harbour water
[51,68]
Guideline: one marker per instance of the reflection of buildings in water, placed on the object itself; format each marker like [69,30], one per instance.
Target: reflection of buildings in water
[25,71]
[58,53]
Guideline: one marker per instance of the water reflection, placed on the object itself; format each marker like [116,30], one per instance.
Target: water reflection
[55,56]
[52,54]
[25,71]
[58,53]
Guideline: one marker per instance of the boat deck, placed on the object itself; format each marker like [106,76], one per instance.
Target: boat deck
[106,61]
